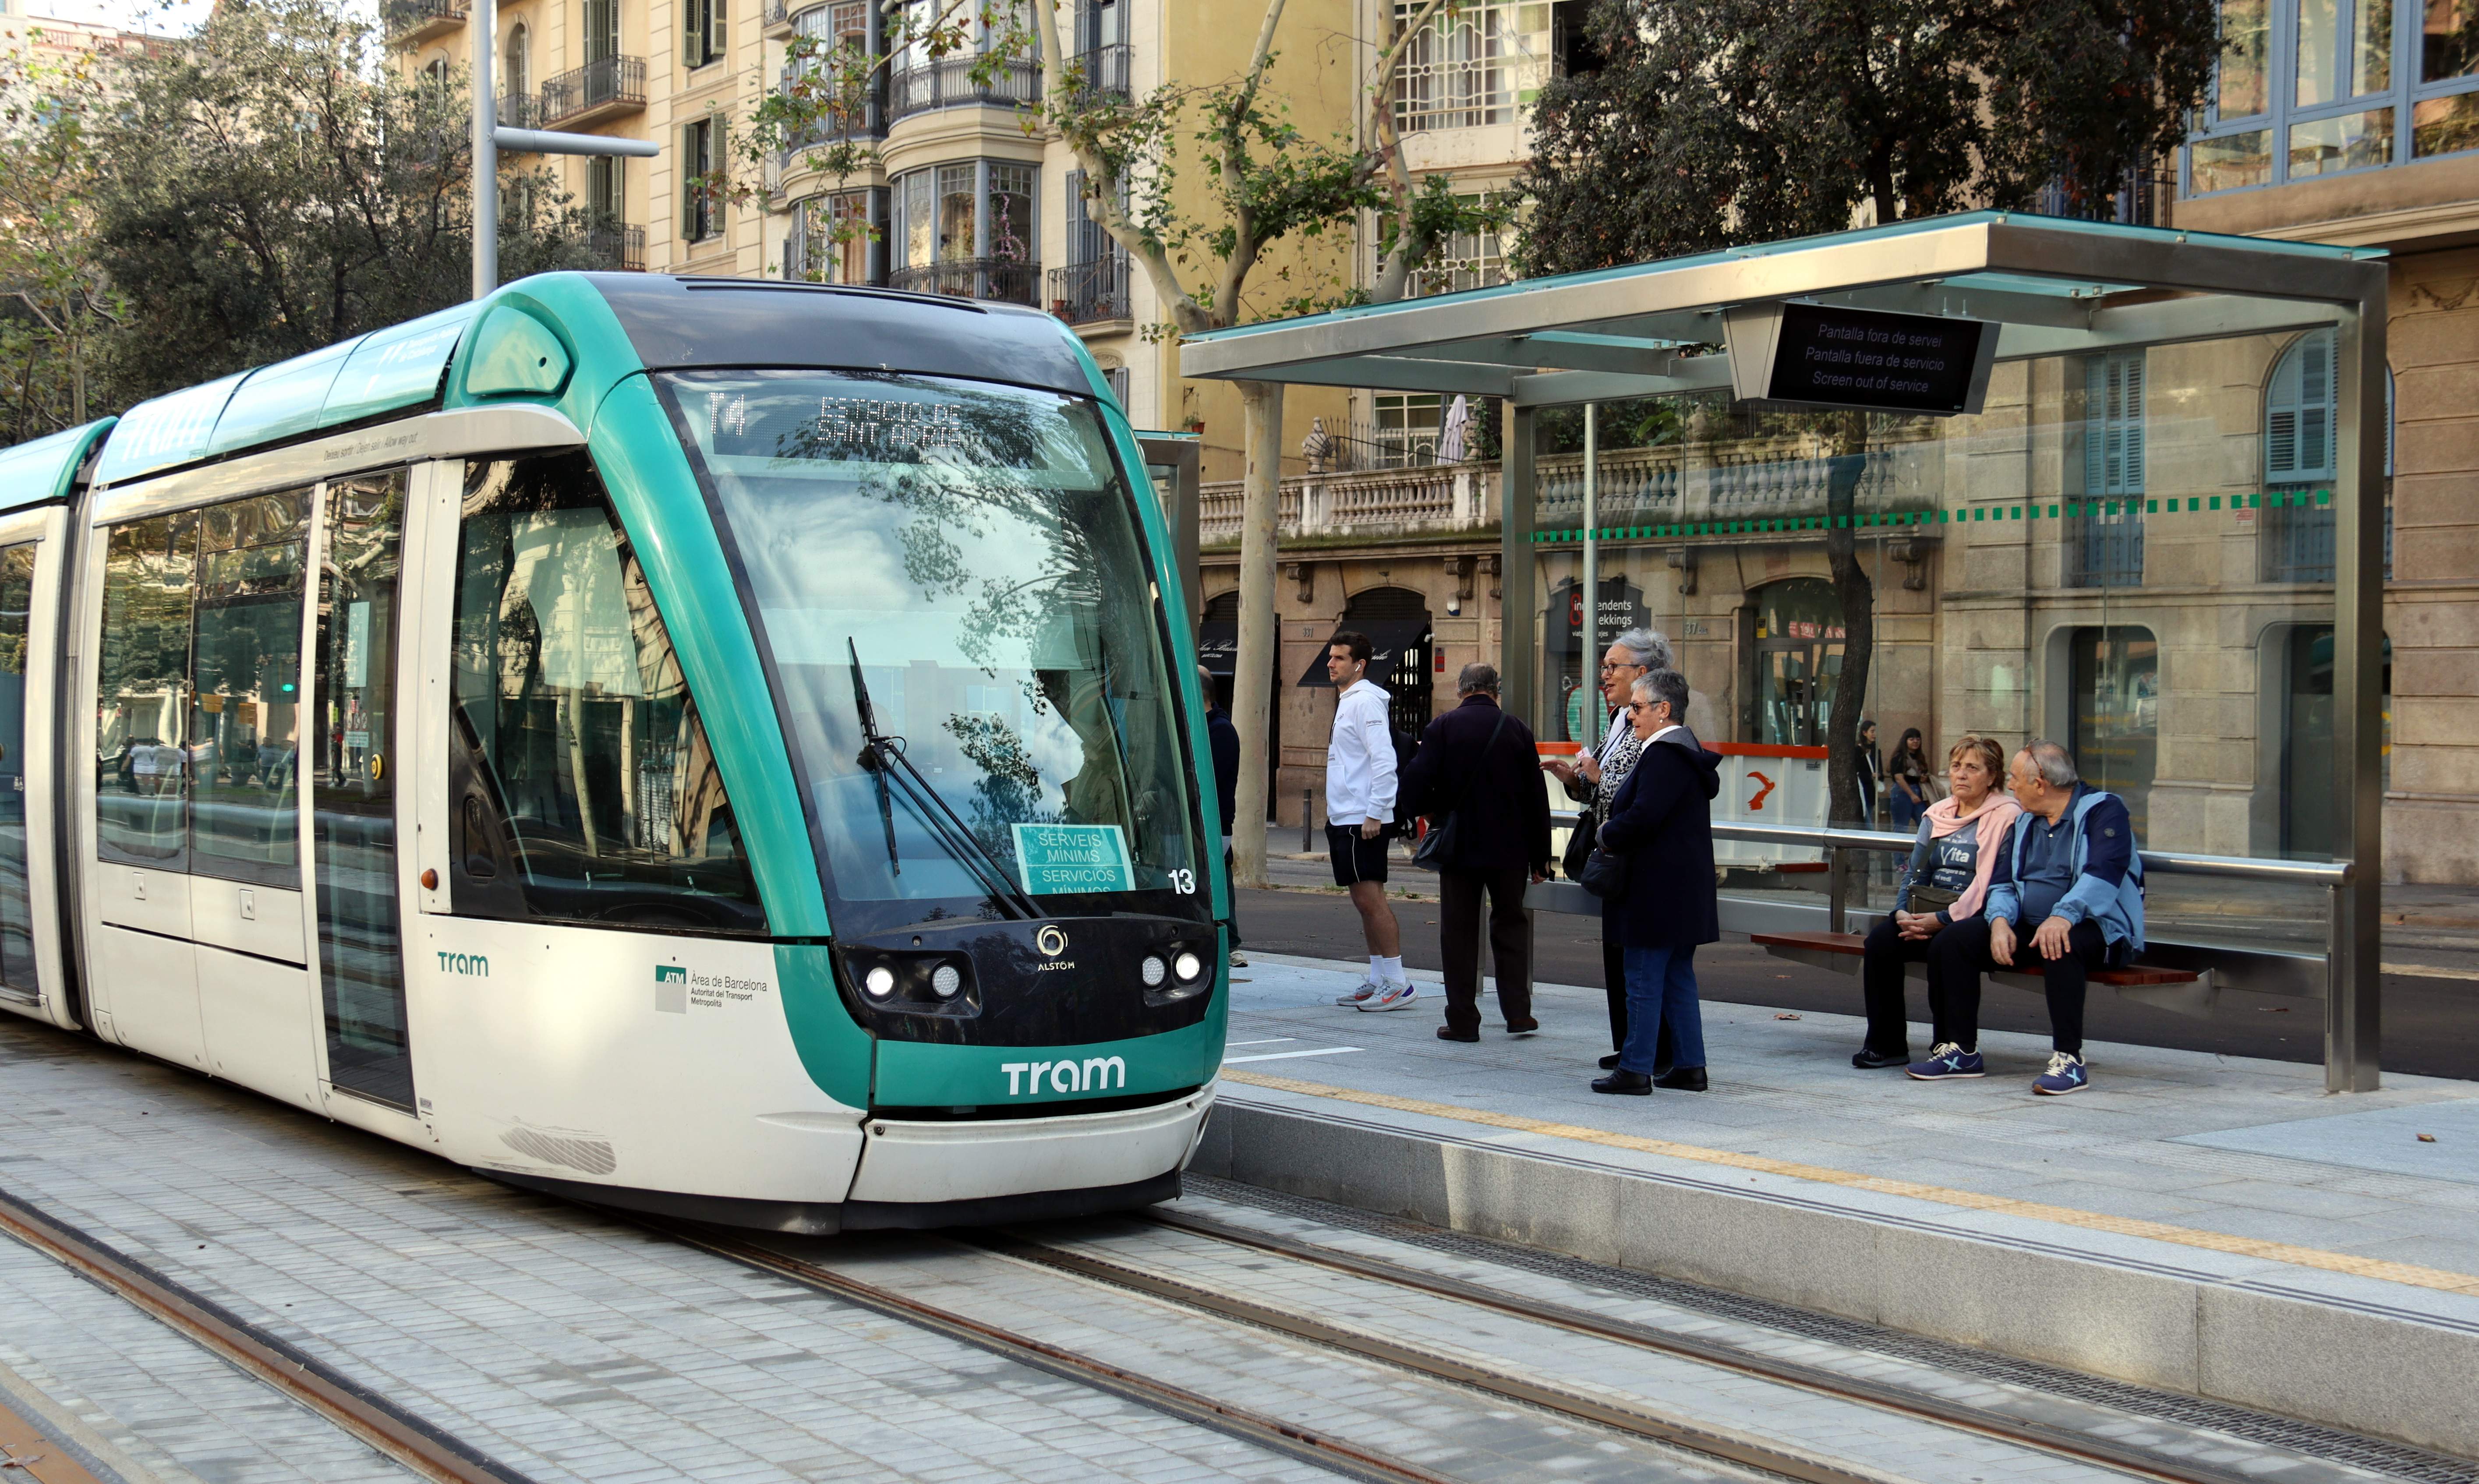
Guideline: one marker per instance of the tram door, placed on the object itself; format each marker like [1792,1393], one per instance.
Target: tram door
[30,584]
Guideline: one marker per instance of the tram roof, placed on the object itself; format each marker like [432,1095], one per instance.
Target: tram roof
[2056,285]
[41,469]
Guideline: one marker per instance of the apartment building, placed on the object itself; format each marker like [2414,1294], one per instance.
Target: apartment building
[961,194]
[2143,563]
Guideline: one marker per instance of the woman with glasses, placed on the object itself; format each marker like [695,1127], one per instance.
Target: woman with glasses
[1593,780]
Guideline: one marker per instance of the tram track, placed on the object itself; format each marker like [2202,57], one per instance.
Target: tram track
[366,1416]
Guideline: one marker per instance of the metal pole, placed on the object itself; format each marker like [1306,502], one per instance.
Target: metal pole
[1591,636]
[485,23]
[1519,651]
[1837,882]
[1308,820]
[2353,1012]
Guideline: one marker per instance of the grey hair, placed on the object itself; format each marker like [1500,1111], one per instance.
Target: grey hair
[1667,685]
[1476,677]
[2053,764]
[1646,646]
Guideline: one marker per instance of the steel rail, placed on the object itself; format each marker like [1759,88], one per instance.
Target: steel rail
[2038,1436]
[1687,1437]
[1272,1434]
[363,1413]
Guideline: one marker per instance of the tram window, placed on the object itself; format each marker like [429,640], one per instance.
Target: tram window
[142,692]
[17,907]
[245,676]
[582,774]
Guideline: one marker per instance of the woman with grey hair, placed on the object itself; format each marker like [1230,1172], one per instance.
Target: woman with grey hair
[1592,781]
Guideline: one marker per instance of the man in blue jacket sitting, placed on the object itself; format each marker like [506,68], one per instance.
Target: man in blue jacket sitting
[2067,893]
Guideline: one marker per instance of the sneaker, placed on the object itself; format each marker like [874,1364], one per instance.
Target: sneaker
[1239,960]
[1397,996]
[1365,993]
[2066,1074]
[1947,1059]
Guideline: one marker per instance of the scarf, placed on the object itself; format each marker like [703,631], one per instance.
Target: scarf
[1996,816]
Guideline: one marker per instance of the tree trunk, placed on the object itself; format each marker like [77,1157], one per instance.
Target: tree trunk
[1858,597]
[1252,687]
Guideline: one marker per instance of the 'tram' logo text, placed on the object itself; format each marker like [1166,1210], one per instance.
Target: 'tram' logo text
[472,964]
[1092,1075]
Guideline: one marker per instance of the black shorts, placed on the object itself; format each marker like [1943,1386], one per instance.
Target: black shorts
[1355,858]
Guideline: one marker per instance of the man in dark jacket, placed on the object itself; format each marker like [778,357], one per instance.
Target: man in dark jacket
[1224,738]
[1478,767]
[1662,823]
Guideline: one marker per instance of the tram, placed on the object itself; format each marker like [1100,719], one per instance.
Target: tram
[708,747]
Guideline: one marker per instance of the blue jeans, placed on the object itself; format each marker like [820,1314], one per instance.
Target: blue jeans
[1661,996]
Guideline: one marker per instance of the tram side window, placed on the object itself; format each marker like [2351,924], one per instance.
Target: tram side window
[582,787]
[245,701]
[142,693]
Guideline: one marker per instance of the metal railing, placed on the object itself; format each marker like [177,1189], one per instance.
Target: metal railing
[520,111]
[1090,293]
[618,247]
[778,14]
[1005,281]
[949,81]
[402,17]
[862,116]
[1102,72]
[612,80]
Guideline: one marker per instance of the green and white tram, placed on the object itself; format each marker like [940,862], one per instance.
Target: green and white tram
[705,746]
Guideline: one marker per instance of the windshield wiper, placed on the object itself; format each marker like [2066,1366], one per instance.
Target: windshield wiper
[882,755]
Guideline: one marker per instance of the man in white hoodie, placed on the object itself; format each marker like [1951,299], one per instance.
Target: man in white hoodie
[1359,806]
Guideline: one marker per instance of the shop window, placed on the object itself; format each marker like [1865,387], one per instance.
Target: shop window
[582,787]
[1795,655]
[2116,728]
[1581,711]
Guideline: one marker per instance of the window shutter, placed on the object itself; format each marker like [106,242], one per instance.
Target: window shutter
[714,38]
[2131,419]
[2095,423]
[2298,413]
[693,34]
[2113,424]
[692,164]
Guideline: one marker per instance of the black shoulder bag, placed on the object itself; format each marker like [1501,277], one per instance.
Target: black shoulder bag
[1437,848]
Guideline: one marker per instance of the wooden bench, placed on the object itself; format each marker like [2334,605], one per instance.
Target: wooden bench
[2182,991]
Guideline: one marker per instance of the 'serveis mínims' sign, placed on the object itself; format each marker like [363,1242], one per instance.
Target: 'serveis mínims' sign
[1073,858]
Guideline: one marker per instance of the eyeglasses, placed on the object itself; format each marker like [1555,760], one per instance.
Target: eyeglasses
[1606,667]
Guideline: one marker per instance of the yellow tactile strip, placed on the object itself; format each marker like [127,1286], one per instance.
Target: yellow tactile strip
[2064,1216]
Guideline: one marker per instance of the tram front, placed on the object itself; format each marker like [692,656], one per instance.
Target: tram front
[961,619]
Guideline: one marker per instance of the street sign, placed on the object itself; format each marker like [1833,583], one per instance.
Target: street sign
[1824,355]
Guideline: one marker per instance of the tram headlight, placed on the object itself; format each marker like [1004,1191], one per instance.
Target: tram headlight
[1187,966]
[879,982]
[1154,970]
[945,981]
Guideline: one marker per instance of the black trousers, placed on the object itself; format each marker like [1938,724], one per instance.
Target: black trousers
[1880,985]
[1960,955]
[1665,1045]
[1235,904]
[1510,941]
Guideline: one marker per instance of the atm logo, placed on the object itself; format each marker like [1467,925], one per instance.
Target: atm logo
[472,965]
[671,973]
[1091,1075]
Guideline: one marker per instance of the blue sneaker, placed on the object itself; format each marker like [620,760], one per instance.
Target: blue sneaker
[2066,1074]
[1947,1059]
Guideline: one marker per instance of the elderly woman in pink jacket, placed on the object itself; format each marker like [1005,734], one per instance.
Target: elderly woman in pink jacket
[1946,882]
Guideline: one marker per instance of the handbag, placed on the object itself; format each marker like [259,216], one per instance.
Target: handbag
[1579,843]
[1932,899]
[1436,849]
[1605,874]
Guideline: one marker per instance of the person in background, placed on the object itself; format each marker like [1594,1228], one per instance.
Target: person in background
[2066,896]
[1908,772]
[1359,804]
[1224,740]
[1662,823]
[1946,882]
[1593,781]
[1869,767]
[1477,768]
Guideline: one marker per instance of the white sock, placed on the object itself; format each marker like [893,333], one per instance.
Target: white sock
[1377,969]
[1388,970]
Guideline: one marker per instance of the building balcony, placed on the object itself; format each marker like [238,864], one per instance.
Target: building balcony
[1102,72]
[1093,292]
[618,247]
[779,20]
[859,117]
[948,82]
[411,22]
[599,91]
[520,111]
[1003,280]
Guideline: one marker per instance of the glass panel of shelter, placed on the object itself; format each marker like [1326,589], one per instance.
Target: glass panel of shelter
[2097,557]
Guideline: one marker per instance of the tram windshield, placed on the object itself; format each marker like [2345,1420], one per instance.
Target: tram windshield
[951,584]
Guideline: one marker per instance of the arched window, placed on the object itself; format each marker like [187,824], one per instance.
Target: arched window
[2301,412]
[518,89]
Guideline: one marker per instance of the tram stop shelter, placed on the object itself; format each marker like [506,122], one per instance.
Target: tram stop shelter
[2120,486]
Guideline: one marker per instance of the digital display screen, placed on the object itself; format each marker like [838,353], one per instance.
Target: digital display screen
[1867,358]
